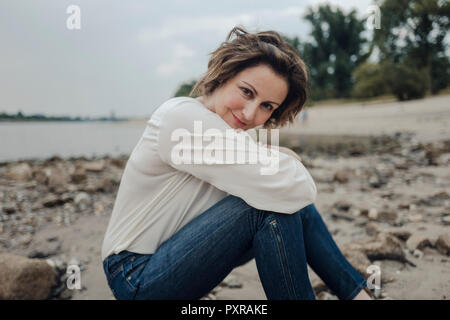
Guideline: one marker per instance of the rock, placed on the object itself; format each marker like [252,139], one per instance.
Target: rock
[418,254]
[341,176]
[79,175]
[372,228]
[51,200]
[358,260]
[342,205]
[22,278]
[9,208]
[373,214]
[231,282]
[401,234]
[46,249]
[95,166]
[318,286]
[326,296]
[57,179]
[40,175]
[82,201]
[415,218]
[432,154]
[445,220]
[417,241]
[19,172]
[443,244]
[384,246]
[387,216]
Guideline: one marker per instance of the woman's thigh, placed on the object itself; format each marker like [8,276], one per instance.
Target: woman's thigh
[201,254]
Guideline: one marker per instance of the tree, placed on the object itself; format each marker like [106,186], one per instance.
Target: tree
[413,34]
[336,50]
[185,89]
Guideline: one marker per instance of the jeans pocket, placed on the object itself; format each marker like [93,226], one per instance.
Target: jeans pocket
[133,268]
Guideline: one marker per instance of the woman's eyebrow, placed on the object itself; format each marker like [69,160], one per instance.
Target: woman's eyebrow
[257,91]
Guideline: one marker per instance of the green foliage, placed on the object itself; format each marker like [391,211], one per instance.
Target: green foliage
[335,52]
[405,81]
[369,81]
[185,89]
[413,33]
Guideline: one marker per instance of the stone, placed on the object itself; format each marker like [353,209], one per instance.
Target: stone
[384,246]
[22,278]
[387,216]
[342,205]
[231,282]
[57,179]
[82,200]
[418,254]
[51,200]
[318,286]
[326,296]
[79,175]
[417,241]
[415,218]
[341,176]
[445,220]
[373,214]
[443,244]
[372,228]
[358,259]
[9,208]
[95,166]
[19,172]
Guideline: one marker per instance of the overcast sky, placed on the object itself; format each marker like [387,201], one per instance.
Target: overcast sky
[128,56]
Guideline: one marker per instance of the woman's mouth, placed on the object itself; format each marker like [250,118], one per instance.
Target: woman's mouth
[238,122]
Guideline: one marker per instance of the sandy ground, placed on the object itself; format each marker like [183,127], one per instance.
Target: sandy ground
[428,119]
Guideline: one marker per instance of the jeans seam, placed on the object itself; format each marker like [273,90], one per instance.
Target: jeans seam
[144,285]
[359,287]
[284,265]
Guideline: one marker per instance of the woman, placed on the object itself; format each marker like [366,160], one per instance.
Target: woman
[179,225]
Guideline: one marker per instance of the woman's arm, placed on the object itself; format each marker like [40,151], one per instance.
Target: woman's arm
[285,150]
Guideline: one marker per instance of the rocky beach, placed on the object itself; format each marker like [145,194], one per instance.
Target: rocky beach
[383,178]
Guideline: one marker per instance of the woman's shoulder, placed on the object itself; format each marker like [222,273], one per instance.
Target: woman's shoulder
[186,103]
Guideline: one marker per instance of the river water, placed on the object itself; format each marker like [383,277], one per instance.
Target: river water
[42,140]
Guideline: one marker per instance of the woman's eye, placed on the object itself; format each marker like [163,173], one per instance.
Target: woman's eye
[268,106]
[246,91]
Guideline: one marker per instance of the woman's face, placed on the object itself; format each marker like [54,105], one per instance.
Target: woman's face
[249,99]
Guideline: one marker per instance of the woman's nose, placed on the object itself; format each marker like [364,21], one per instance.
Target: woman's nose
[249,113]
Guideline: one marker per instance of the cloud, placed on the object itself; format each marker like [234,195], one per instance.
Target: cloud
[221,24]
[177,61]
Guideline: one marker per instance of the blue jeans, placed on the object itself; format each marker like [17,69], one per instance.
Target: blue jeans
[229,234]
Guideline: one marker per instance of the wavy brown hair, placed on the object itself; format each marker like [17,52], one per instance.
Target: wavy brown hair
[252,49]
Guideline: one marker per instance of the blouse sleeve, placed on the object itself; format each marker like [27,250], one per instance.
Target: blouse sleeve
[194,140]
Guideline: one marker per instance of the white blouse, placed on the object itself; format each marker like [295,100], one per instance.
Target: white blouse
[160,191]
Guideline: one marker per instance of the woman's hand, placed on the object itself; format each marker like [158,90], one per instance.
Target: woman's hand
[284,150]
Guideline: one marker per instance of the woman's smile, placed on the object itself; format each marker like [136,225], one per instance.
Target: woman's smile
[238,122]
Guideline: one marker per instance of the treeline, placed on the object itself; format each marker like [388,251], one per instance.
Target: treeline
[19,116]
[406,56]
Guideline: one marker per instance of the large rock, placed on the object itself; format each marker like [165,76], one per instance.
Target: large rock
[417,241]
[95,166]
[22,278]
[384,246]
[443,244]
[358,260]
[19,172]
[57,179]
